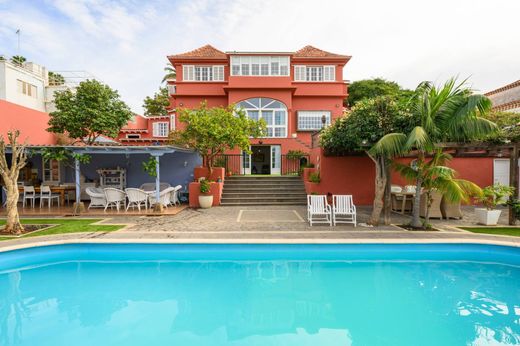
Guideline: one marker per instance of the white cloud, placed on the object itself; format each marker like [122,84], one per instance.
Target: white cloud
[125,43]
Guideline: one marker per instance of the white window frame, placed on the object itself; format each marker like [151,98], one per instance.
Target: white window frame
[172,122]
[316,118]
[203,73]
[47,166]
[27,88]
[260,65]
[314,73]
[160,129]
[266,108]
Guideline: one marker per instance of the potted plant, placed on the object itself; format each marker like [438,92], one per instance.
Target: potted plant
[205,197]
[491,196]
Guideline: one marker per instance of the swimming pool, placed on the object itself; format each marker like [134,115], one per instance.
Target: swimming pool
[202,294]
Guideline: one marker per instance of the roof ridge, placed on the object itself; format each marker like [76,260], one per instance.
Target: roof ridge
[206,51]
[313,52]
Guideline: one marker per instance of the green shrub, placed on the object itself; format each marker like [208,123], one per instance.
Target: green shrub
[205,186]
[495,194]
[314,177]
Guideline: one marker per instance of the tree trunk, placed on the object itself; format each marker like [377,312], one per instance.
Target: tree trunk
[13,224]
[388,193]
[416,218]
[429,202]
[380,185]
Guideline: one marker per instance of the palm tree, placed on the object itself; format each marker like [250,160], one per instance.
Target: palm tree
[447,113]
[170,72]
[18,60]
[436,176]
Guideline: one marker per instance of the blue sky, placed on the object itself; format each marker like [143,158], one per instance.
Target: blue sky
[125,43]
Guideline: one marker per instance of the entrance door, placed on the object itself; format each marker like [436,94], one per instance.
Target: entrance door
[501,171]
[245,163]
[276,159]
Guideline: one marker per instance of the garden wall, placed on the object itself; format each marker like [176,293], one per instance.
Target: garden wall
[355,175]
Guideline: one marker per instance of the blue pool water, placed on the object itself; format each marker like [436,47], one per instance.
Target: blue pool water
[101,294]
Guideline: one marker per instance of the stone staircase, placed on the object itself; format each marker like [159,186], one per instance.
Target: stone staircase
[263,190]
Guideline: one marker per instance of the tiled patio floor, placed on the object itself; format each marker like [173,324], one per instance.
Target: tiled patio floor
[267,224]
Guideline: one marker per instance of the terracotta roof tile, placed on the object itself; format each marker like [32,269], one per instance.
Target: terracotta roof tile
[313,52]
[507,106]
[504,88]
[206,51]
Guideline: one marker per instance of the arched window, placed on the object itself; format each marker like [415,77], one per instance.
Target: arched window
[273,112]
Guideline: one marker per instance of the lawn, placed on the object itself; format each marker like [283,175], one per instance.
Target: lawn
[65,226]
[514,231]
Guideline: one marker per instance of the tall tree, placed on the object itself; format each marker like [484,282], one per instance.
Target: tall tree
[445,114]
[368,122]
[212,131]
[157,105]
[10,175]
[171,74]
[92,110]
[370,88]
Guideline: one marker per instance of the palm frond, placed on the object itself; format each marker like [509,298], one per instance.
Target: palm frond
[419,139]
[390,145]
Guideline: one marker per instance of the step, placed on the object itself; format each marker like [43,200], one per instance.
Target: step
[246,177]
[263,199]
[262,189]
[299,194]
[261,203]
[247,183]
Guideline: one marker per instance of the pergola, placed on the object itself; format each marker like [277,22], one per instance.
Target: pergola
[155,151]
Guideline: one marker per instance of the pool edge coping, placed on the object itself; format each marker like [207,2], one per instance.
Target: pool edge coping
[259,241]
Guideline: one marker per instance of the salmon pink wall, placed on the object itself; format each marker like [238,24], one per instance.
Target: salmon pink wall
[478,170]
[29,122]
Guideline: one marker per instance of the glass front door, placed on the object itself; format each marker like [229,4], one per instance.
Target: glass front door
[276,159]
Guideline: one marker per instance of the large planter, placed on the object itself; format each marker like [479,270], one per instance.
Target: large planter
[205,201]
[487,217]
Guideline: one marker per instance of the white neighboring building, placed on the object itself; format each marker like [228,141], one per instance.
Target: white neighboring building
[28,85]
[23,84]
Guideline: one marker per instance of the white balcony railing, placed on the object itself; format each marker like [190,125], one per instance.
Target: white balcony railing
[172,89]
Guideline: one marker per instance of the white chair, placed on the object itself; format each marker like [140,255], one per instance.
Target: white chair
[164,197]
[115,197]
[136,198]
[343,209]
[97,197]
[151,186]
[318,210]
[29,194]
[46,194]
[174,198]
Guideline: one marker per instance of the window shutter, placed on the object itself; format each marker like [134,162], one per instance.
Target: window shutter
[329,73]
[155,129]
[299,73]
[218,73]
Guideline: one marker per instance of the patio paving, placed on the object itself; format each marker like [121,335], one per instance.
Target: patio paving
[267,224]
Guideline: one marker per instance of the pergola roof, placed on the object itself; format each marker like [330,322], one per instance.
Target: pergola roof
[117,149]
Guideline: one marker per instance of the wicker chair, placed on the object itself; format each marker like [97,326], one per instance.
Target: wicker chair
[97,197]
[164,197]
[435,208]
[115,197]
[151,186]
[136,198]
[450,209]
[174,198]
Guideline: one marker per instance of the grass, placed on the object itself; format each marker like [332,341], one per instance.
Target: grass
[64,226]
[513,231]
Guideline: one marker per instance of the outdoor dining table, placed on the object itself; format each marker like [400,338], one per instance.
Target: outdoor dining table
[405,196]
[61,190]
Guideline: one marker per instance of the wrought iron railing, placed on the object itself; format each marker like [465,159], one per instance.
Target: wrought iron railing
[240,164]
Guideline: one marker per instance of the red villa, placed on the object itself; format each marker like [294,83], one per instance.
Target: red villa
[294,92]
